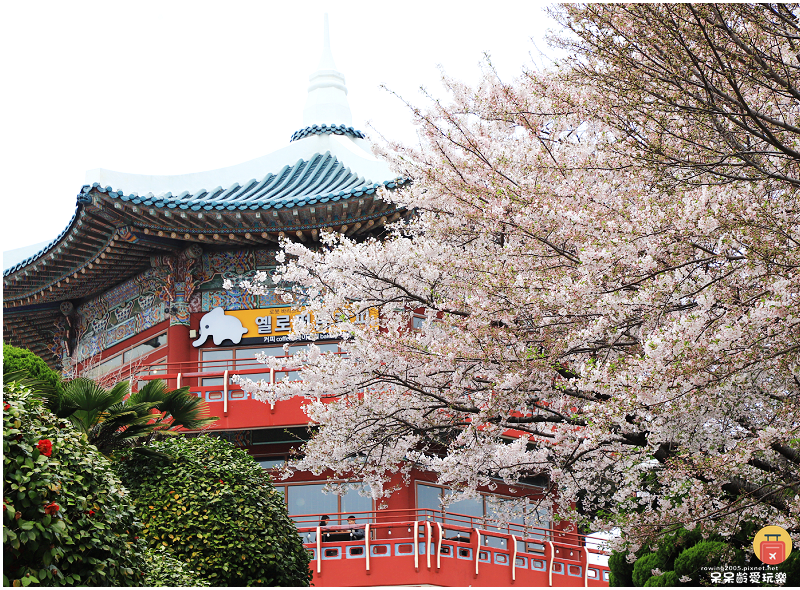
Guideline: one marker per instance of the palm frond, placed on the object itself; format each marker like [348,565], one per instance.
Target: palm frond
[91,397]
[187,410]
[142,409]
[110,421]
[154,391]
[18,375]
[50,394]
[90,401]
[120,430]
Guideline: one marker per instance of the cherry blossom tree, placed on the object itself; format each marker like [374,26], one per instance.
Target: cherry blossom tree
[714,87]
[554,307]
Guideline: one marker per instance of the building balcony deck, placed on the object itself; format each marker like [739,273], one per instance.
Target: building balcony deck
[450,550]
[211,381]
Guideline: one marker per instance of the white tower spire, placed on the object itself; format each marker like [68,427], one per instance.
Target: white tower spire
[327,93]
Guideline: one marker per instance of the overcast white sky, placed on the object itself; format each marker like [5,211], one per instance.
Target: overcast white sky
[173,87]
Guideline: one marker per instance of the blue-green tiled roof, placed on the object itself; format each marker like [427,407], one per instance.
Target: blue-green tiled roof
[327,130]
[321,179]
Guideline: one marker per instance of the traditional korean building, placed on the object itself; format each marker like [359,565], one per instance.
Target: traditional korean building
[132,288]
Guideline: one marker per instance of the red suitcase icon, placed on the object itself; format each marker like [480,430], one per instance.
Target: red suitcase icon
[772,552]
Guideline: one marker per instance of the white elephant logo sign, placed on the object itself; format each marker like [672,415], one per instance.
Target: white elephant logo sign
[220,327]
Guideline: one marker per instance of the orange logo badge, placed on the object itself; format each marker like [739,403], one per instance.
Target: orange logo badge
[772,545]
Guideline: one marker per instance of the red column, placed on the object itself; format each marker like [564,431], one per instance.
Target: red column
[179,351]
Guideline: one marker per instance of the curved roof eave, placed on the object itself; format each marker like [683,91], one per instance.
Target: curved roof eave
[108,239]
[31,259]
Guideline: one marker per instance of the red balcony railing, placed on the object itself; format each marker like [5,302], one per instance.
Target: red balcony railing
[422,546]
[211,380]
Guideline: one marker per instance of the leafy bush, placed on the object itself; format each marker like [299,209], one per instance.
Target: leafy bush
[20,359]
[621,570]
[644,566]
[671,545]
[680,543]
[705,553]
[215,509]
[66,517]
[164,569]
[791,567]
[668,579]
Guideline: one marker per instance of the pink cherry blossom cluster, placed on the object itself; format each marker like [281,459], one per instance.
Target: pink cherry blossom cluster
[551,309]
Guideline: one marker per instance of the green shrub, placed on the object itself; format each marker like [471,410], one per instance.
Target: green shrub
[66,517]
[621,570]
[705,554]
[668,579]
[671,545]
[164,569]
[668,547]
[791,567]
[644,566]
[215,509]
[20,359]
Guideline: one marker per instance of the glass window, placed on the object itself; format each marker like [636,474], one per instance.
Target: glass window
[126,357]
[353,503]
[497,506]
[469,507]
[144,348]
[104,367]
[297,348]
[538,519]
[309,499]
[250,353]
[110,364]
[246,356]
[217,359]
[157,368]
[323,347]
[217,355]
[487,506]
[270,463]
[428,497]
[499,509]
